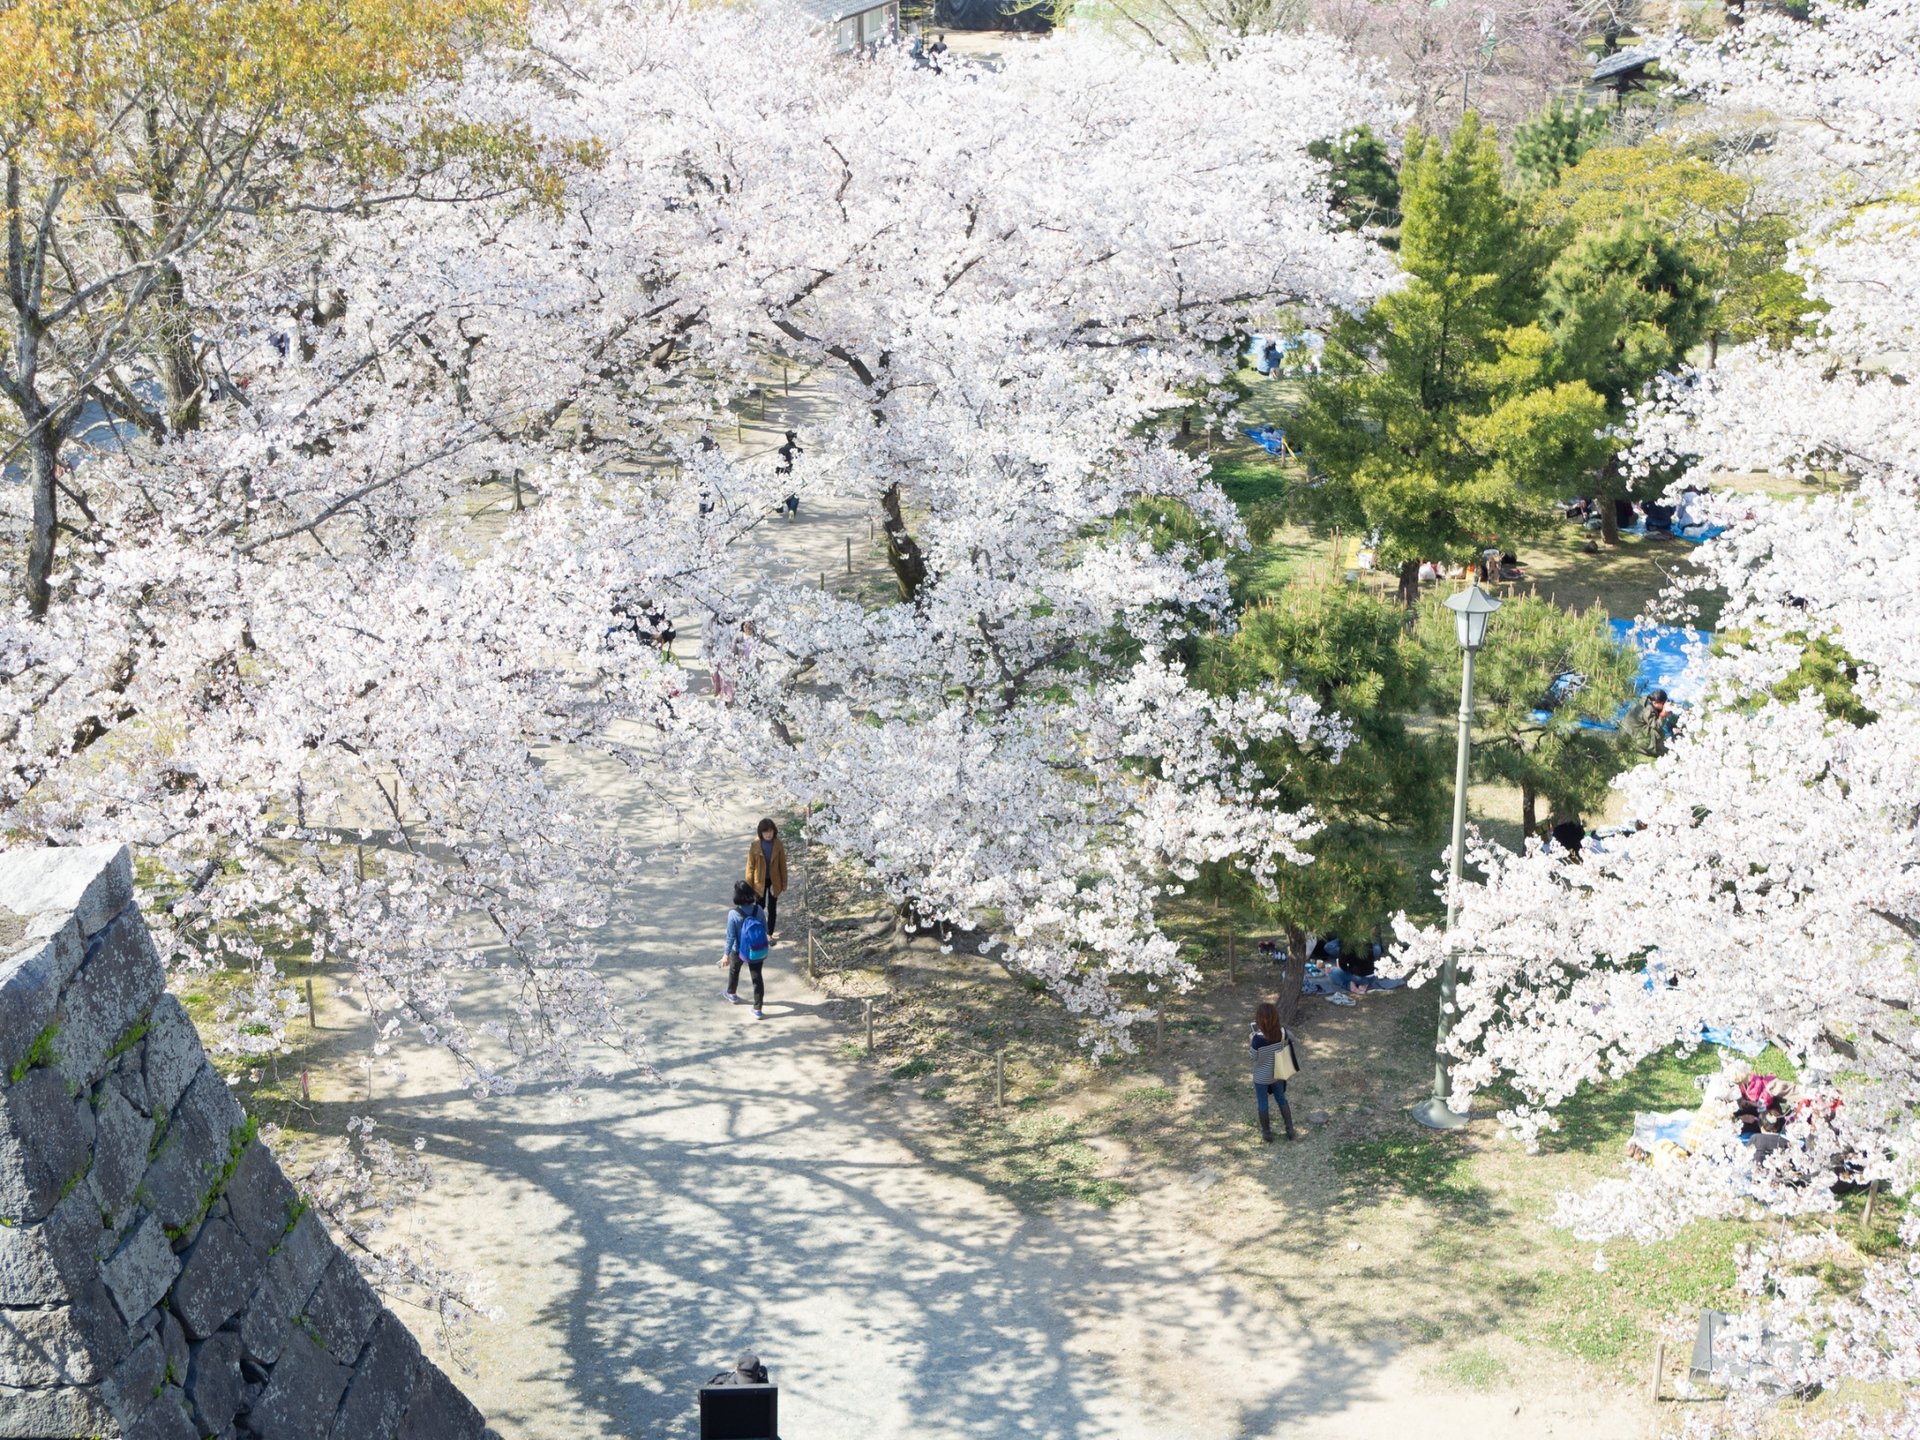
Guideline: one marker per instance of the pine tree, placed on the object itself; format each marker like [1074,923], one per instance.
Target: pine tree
[1547,146]
[1435,419]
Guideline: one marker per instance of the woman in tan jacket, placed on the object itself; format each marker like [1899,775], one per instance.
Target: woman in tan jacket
[767,870]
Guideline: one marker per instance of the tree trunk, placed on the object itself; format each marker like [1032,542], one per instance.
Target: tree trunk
[903,551]
[1293,975]
[43,449]
[1603,497]
[1529,798]
[1410,584]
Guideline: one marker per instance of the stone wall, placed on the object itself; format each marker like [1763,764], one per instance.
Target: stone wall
[159,1278]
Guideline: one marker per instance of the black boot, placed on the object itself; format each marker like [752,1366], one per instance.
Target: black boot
[1266,1128]
[1286,1118]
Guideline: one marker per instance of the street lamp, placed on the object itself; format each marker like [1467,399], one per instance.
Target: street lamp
[1472,608]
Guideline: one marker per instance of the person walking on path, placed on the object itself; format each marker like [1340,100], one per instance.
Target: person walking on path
[746,945]
[1274,1063]
[767,872]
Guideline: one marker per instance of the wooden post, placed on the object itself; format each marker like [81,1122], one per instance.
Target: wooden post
[869,1027]
[1000,1077]
[869,529]
[1873,1194]
[313,1023]
[360,860]
[1160,1032]
[1659,1367]
[849,554]
[306,1091]
[823,579]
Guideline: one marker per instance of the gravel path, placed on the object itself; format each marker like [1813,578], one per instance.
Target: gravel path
[640,1234]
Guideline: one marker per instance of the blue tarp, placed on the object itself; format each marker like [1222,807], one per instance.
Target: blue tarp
[1664,664]
[1270,438]
[1698,534]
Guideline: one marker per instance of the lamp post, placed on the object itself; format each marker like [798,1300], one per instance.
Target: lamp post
[1472,608]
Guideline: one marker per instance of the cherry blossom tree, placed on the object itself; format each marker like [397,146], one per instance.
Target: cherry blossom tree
[1772,888]
[313,653]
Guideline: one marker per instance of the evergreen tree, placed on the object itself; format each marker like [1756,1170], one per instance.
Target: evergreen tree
[1350,650]
[1547,146]
[1522,733]
[1622,305]
[1364,182]
[1435,419]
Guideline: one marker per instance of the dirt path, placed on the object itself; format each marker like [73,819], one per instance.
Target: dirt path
[641,1233]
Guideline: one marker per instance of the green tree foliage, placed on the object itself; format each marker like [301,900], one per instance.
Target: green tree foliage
[1622,305]
[1436,418]
[1529,642]
[1365,184]
[1552,142]
[1350,650]
[1727,219]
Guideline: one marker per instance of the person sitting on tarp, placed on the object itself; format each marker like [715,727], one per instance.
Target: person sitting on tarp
[1562,688]
[1652,721]
[1659,518]
[1624,514]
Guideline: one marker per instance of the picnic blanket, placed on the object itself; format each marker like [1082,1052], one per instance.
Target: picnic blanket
[1270,438]
[1698,534]
[1664,660]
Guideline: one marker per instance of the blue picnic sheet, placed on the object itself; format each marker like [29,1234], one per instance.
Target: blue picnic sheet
[1270,438]
[1698,534]
[1664,664]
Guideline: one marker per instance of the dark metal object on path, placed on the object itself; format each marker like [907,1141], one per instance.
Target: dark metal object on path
[740,1404]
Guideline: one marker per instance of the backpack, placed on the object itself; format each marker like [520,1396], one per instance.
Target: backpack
[753,938]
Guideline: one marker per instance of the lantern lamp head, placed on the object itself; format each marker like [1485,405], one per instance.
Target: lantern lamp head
[1472,608]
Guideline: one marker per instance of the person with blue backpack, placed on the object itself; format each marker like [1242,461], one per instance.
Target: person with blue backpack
[746,945]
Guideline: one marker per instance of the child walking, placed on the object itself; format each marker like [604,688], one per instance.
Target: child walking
[746,945]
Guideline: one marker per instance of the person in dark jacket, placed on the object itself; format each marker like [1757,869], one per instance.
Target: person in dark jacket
[745,907]
[1268,1043]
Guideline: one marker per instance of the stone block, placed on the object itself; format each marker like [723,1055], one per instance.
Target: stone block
[141,1270]
[194,1150]
[67,1410]
[301,1395]
[44,1347]
[28,1274]
[121,1135]
[136,1379]
[259,1198]
[214,1387]
[43,1145]
[343,1309]
[29,991]
[438,1411]
[128,1075]
[92,883]
[221,1270]
[263,1325]
[114,988]
[163,1418]
[174,1339]
[174,1054]
[382,1384]
[301,1260]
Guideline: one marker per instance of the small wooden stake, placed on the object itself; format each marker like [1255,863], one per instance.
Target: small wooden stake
[869,1027]
[1160,1032]
[313,1022]
[1873,1194]
[1000,1078]
[823,579]
[306,1091]
[849,554]
[1659,1368]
